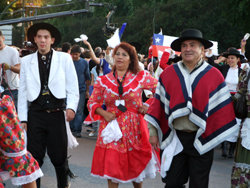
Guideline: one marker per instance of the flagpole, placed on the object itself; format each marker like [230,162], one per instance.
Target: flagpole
[154,19]
[152,58]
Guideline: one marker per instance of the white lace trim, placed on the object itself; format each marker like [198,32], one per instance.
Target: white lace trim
[138,86]
[242,165]
[23,152]
[22,179]
[133,90]
[245,134]
[5,175]
[91,109]
[148,172]
[106,87]
[27,179]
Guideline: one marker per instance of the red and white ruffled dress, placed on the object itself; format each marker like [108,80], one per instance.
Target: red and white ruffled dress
[16,162]
[130,158]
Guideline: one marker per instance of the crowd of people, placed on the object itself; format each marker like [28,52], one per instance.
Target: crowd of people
[178,107]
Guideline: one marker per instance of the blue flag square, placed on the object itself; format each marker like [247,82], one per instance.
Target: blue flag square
[158,39]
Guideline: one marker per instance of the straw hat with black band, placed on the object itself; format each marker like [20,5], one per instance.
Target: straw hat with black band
[190,34]
[32,31]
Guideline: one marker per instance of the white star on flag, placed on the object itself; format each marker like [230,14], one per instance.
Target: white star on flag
[157,40]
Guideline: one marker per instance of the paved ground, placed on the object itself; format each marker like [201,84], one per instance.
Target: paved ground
[80,163]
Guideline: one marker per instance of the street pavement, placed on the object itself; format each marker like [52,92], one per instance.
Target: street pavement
[80,164]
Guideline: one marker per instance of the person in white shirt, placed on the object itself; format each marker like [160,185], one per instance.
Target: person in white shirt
[10,62]
[48,79]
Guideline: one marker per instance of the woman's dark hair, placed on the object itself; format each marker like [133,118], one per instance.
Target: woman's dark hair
[98,67]
[134,65]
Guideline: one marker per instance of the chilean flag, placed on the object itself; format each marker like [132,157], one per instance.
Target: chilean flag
[160,43]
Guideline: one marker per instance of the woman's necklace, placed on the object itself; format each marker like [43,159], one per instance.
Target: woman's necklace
[120,103]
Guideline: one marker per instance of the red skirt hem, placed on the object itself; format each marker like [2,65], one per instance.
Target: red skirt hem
[122,166]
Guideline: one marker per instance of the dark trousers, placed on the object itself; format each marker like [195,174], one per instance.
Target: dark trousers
[189,164]
[47,131]
[76,123]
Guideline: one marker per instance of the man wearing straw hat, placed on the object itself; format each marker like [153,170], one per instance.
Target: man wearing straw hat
[47,78]
[187,116]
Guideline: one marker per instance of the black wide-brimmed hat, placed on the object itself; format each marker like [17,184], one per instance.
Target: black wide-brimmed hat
[233,51]
[190,34]
[32,31]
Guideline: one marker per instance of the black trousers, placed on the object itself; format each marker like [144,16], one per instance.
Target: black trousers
[189,164]
[47,131]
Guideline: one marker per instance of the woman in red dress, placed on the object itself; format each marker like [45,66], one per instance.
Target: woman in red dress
[128,158]
[16,162]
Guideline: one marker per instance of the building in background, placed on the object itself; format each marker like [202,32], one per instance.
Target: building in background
[7,33]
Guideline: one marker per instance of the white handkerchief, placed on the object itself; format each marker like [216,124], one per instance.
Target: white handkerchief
[72,142]
[245,134]
[169,152]
[83,37]
[77,39]
[234,136]
[112,132]
[1,89]
[246,36]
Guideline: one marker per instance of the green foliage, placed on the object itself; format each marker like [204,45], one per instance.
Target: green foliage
[74,26]
[238,12]
[222,21]
[206,16]
[3,4]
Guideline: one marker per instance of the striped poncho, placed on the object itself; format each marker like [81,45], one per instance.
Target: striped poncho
[202,95]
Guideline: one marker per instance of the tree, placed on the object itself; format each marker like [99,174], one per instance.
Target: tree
[222,21]
[3,4]
[238,12]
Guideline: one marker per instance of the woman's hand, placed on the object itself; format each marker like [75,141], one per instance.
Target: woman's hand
[243,43]
[221,59]
[108,116]
[86,43]
[143,109]
[154,141]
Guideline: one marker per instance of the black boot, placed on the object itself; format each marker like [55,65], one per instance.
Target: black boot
[38,182]
[63,173]
[224,149]
[231,149]
[181,186]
